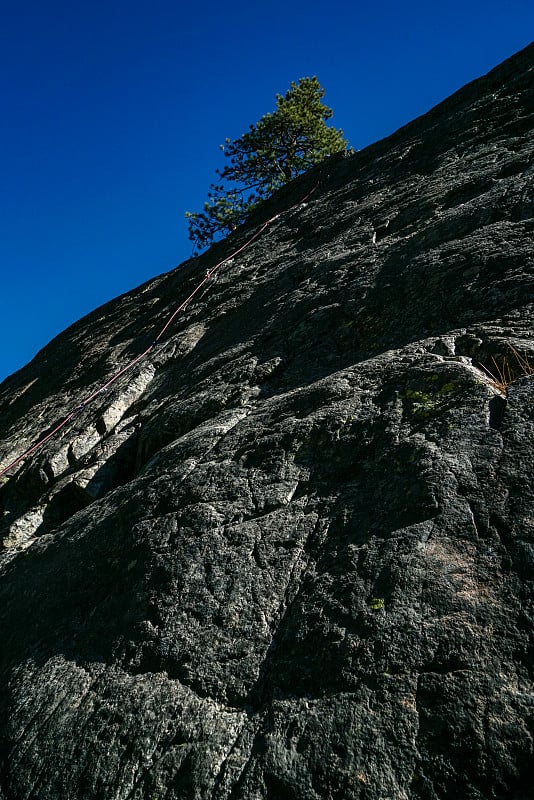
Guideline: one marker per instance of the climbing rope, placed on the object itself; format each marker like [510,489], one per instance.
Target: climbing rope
[209,274]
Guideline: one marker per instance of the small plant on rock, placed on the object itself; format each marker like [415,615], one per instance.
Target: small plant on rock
[376,603]
[508,370]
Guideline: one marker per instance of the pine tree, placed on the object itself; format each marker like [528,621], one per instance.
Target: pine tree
[282,145]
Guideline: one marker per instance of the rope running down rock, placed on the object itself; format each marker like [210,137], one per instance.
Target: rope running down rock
[33,448]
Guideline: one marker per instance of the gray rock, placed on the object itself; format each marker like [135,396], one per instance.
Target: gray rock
[289,554]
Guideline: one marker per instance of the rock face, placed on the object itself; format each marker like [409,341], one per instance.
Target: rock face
[289,555]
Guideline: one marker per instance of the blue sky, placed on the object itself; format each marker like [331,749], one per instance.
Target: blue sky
[112,113]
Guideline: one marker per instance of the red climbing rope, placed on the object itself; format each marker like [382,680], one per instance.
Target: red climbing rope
[138,358]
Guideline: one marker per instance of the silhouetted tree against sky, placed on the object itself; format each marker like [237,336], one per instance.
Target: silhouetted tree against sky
[282,145]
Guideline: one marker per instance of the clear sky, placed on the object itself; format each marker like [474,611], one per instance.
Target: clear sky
[113,110]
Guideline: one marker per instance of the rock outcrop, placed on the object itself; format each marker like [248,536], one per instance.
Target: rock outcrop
[289,555]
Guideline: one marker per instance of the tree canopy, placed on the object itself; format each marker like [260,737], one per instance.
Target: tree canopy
[280,146]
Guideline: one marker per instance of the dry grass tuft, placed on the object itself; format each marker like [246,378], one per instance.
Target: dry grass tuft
[510,369]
